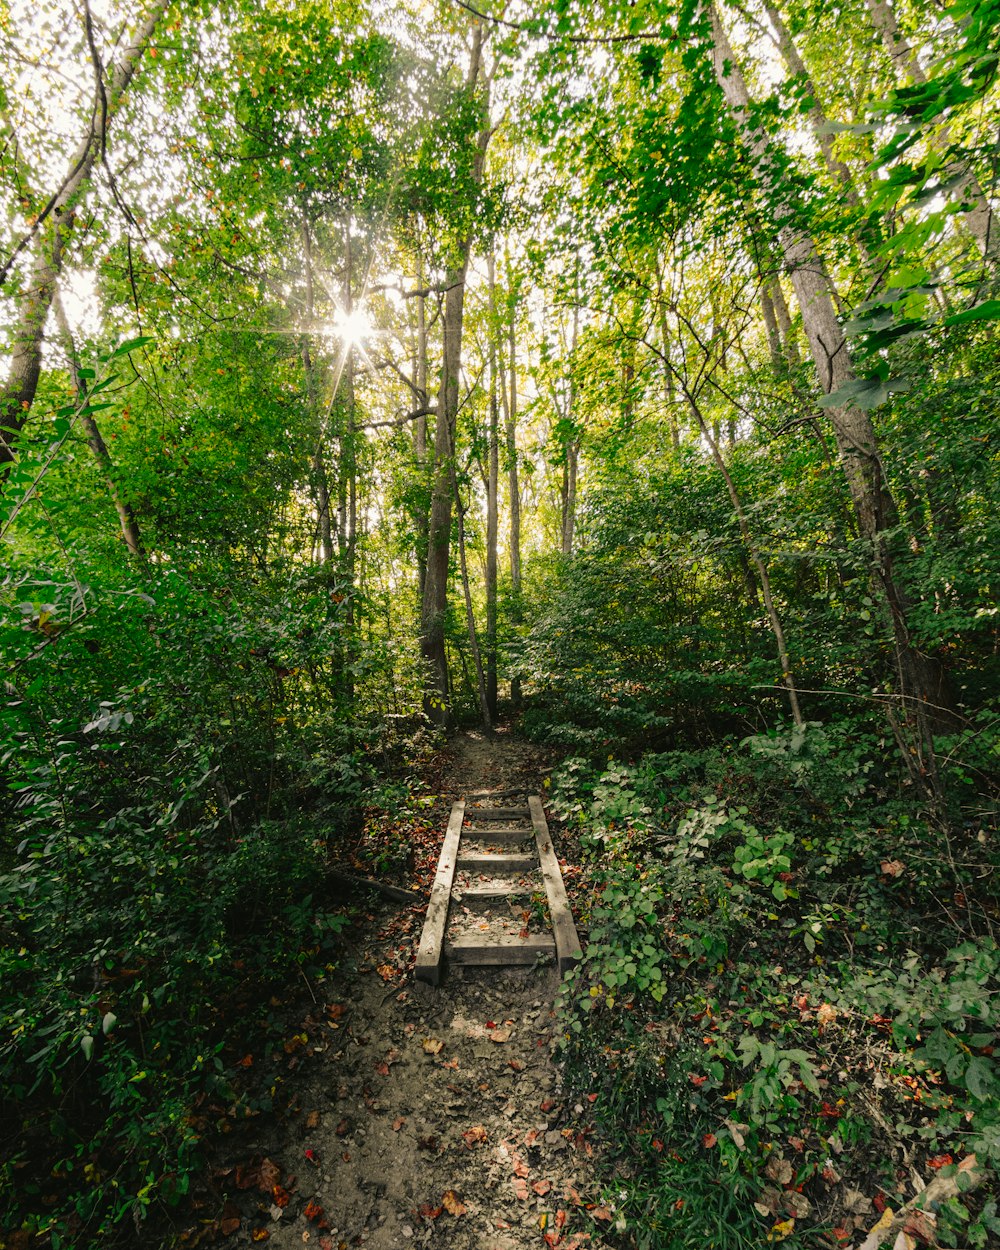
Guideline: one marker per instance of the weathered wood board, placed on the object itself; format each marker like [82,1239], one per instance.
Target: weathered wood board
[568,947]
[428,966]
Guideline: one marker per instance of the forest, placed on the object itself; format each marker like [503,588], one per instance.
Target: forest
[617,375]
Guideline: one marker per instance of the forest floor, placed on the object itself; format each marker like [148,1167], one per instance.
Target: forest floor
[417,1115]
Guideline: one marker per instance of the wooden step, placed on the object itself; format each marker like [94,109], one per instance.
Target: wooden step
[505,951]
[488,896]
[428,966]
[470,861]
[497,813]
[497,835]
[495,794]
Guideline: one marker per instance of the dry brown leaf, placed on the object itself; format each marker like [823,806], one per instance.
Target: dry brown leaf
[452,1203]
[429,1212]
[541,1188]
[312,1119]
[500,1035]
[474,1136]
[432,1046]
[270,1174]
[520,1167]
[229,1226]
[521,1189]
[398,1123]
[779,1170]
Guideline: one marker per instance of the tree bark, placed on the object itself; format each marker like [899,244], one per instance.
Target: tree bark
[920,680]
[492,528]
[126,515]
[508,397]
[29,333]
[435,597]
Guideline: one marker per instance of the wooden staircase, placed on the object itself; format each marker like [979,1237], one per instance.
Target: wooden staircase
[497,863]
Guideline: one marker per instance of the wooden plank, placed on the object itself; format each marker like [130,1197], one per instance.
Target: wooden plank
[497,813]
[473,862]
[480,831]
[488,895]
[499,951]
[504,836]
[495,794]
[568,949]
[428,966]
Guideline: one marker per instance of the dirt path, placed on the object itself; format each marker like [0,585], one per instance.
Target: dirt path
[427,1115]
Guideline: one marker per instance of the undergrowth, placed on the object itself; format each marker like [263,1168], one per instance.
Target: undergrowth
[790,997]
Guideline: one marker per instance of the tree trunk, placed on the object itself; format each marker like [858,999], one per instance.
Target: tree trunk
[435,598]
[508,396]
[126,515]
[470,619]
[492,527]
[28,336]
[920,679]
[978,216]
[320,481]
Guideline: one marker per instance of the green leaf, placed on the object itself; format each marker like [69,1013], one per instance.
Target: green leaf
[109,1022]
[87,1045]
[130,345]
[980,1080]
[988,310]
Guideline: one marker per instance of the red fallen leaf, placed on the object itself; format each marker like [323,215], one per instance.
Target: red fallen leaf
[797,1142]
[531,1136]
[311,1156]
[386,971]
[491,1024]
[561,1218]
[428,1212]
[657,1145]
[829,1113]
[939,1161]
[591,1098]
[552,1239]
[600,1213]
[521,1189]
[841,1234]
[382,1069]
[709,1140]
[880,1203]
[281,1196]
[453,1204]
[696,1080]
[523,933]
[229,1226]
[245,1062]
[398,1123]
[571,1194]
[313,1212]
[517,1065]
[450,1063]
[548,1104]
[343,1128]
[335,1010]
[520,1167]
[541,1188]
[474,1136]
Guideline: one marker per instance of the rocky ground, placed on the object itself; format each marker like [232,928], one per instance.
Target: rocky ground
[420,1115]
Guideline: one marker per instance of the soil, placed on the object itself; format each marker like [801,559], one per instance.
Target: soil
[419,1115]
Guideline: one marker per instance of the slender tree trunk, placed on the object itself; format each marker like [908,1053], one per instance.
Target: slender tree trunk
[470,618]
[28,335]
[126,515]
[920,679]
[435,598]
[420,433]
[492,527]
[978,216]
[320,481]
[508,396]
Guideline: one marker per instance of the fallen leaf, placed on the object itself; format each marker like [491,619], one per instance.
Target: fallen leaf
[474,1136]
[386,971]
[335,1010]
[939,1161]
[398,1123]
[571,1194]
[452,1203]
[343,1128]
[428,1212]
[270,1174]
[313,1212]
[312,1119]
[517,1065]
[310,1155]
[892,867]
[826,1013]
[531,1136]
[600,1213]
[229,1226]
[541,1188]
[501,1035]
[779,1170]
[781,1230]
[709,1140]
[260,1234]
[520,1167]
[547,1104]
[382,1068]
[281,1196]
[521,1189]
[432,1046]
